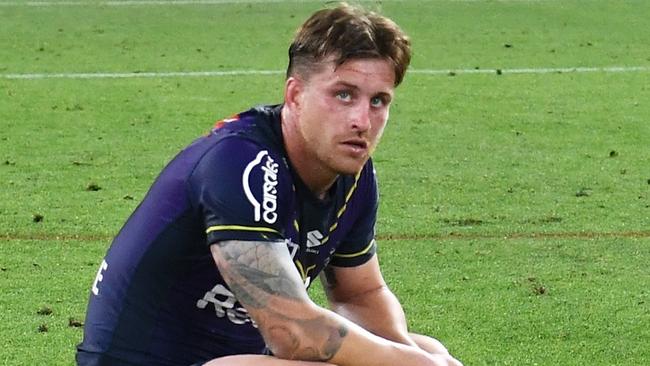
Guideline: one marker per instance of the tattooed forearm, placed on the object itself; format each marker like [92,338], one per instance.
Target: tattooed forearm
[324,340]
[333,342]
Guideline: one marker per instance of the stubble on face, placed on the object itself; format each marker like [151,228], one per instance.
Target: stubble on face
[334,118]
[339,123]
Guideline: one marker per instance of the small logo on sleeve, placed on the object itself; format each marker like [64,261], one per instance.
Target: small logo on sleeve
[266,210]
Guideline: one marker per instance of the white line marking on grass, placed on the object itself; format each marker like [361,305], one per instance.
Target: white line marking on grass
[551,70]
[145,2]
[181,74]
[126,75]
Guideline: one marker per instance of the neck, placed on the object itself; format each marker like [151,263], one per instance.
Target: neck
[318,178]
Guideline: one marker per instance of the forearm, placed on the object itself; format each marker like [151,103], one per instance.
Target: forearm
[379,312]
[297,330]
[305,331]
[358,347]
[360,295]
[382,314]
[264,280]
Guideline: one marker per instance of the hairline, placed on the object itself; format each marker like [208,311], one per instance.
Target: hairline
[317,66]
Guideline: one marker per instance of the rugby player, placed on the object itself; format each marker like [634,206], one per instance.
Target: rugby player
[212,267]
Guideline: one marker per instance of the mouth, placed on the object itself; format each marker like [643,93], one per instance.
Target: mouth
[356,145]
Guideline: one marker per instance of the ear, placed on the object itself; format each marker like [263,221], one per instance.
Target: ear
[293,88]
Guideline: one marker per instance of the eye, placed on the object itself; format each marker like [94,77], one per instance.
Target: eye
[344,95]
[380,100]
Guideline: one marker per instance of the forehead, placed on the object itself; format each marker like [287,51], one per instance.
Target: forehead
[362,73]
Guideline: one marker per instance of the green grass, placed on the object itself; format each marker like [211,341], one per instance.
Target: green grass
[527,301]
[44,289]
[515,150]
[515,207]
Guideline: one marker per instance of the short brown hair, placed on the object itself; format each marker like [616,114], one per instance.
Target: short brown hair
[345,33]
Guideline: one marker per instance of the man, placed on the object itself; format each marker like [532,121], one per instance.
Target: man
[273,197]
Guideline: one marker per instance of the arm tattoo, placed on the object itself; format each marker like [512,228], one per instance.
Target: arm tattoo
[330,339]
[263,277]
[257,270]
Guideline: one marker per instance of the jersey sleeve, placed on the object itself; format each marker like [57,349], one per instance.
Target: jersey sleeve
[359,244]
[242,191]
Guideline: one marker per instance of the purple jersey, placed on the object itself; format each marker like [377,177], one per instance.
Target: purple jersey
[159,299]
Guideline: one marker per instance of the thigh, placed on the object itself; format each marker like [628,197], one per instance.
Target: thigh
[260,360]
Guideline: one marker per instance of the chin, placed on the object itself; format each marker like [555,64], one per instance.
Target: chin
[349,172]
[349,169]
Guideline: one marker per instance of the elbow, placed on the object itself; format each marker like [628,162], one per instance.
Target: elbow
[286,342]
[314,339]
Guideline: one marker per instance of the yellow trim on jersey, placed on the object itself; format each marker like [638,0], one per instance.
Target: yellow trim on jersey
[354,186]
[303,273]
[241,228]
[357,254]
[334,226]
[343,208]
[347,198]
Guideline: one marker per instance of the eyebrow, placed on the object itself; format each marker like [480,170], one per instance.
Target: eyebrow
[346,84]
[354,87]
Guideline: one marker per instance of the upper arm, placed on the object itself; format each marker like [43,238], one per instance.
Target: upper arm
[260,273]
[343,284]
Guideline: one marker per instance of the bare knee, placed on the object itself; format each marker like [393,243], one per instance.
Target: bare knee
[260,360]
[429,344]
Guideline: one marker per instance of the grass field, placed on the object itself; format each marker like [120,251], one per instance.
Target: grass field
[515,215]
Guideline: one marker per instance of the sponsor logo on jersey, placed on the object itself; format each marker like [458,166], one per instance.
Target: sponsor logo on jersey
[224,303]
[99,277]
[266,210]
[314,238]
[293,247]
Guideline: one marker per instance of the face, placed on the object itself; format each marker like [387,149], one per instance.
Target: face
[342,112]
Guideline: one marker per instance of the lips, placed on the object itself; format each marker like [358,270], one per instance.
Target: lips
[358,148]
[356,143]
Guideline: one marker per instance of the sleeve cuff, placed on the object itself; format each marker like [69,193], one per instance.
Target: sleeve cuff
[217,233]
[356,258]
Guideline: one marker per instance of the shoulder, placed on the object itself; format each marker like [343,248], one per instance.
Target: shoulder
[258,124]
[243,180]
[239,161]
[244,140]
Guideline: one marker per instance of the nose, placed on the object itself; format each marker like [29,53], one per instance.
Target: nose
[361,117]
